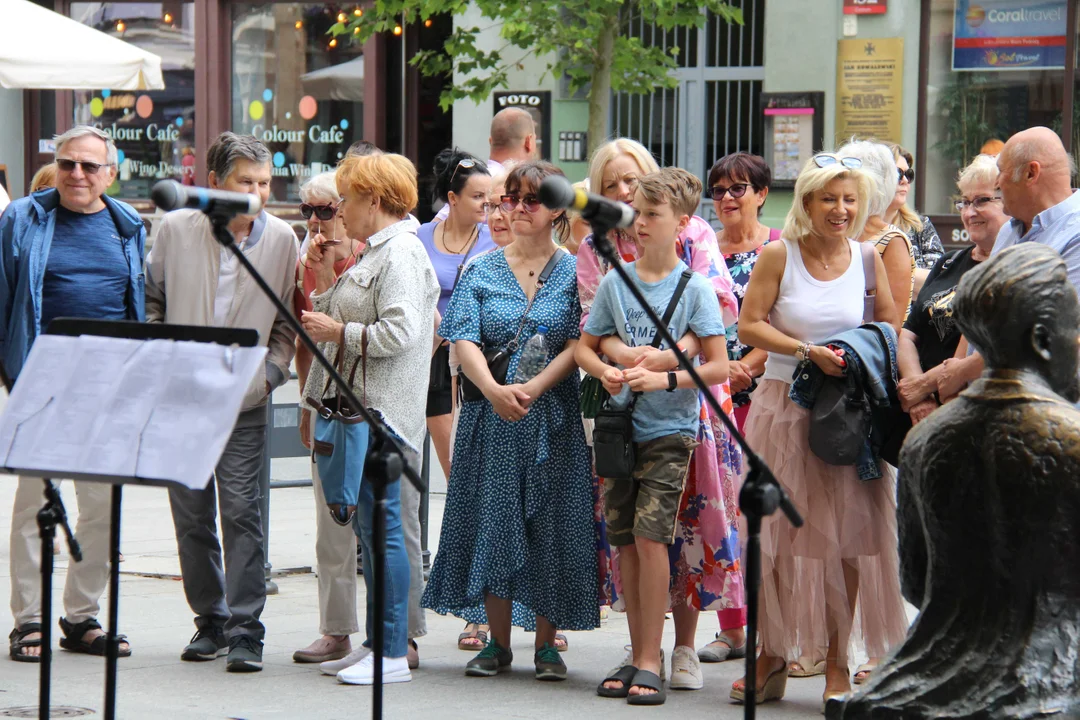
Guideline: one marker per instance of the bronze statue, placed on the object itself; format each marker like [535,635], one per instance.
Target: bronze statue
[989,515]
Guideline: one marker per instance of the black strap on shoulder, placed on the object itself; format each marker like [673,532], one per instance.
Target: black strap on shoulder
[684,280]
[544,275]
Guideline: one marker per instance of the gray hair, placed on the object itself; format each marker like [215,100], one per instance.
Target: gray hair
[983,170]
[319,186]
[111,157]
[878,163]
[228,148]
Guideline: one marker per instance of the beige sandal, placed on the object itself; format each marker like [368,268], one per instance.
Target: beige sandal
[472,632]
[806,667]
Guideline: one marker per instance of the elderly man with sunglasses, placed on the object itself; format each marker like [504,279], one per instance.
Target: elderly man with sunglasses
[192,280]
[71,251]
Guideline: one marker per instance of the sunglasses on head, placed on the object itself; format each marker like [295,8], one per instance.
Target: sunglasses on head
[90,168]
[717,192]
[509,203]
[824,160]
[322,212]
[463,163]
[909,174]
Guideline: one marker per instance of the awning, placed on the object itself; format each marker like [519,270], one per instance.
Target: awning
[43,50]
[344,81]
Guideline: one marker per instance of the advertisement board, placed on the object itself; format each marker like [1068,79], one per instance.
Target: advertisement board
[869,89]
[1009,34]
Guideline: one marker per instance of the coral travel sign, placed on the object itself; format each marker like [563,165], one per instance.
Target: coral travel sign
[866,7]
[1009,34]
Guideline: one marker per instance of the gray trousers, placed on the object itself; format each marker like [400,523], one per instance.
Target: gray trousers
[234,597]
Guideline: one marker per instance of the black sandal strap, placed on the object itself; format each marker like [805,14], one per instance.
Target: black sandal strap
[647,680]
[77,630]
[25,629]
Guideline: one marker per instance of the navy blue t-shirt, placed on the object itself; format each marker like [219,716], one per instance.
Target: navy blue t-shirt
[86,274]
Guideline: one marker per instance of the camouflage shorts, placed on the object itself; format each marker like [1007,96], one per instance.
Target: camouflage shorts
[647,504]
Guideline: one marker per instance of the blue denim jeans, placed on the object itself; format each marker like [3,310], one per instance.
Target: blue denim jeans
[396,591]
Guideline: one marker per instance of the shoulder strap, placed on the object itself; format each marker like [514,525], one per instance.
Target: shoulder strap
[870,281]
[684,279]
[544,275]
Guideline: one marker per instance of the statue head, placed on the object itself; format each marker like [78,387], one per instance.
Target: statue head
[1019,310]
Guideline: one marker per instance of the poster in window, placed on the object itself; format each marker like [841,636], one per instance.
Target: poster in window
[869,88]
[1009,34]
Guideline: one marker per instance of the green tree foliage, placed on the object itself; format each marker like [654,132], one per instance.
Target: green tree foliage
[586,41]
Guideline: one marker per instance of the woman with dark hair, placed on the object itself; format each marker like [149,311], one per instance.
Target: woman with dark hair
[517,540]
[461,181]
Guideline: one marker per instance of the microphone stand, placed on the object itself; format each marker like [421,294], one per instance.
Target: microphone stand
[761,494]
[385,461]
[50,515]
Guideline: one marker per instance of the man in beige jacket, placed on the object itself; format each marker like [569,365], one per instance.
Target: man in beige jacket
[192,280]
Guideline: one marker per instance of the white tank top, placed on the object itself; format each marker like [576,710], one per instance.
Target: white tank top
[812,310]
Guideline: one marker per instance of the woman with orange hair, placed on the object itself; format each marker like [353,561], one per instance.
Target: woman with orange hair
[382,312]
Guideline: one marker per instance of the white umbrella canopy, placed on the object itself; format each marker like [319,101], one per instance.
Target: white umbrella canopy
[43,50]
[344,81]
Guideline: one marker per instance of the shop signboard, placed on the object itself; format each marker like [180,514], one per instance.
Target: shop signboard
[1009,34]
[537,104]
[866,7]
[869,88]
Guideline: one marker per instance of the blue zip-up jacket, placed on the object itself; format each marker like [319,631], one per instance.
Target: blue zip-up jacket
[870,352]
[26,233]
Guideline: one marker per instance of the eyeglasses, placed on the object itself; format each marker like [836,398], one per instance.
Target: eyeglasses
[909,174]
[322,212]
[824,160]
[489,206]
[509,203]
[717,192]
[980,203]
[463,163]
[90,168]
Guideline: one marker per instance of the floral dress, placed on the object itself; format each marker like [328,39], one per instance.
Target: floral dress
[705,557]
[740,265]
[518,519]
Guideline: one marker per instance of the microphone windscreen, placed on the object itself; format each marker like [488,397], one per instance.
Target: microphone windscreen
[167,195]
[556,193]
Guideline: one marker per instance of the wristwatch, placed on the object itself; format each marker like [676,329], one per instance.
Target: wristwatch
[672,382]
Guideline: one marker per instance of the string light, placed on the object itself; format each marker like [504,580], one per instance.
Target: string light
[356,31]
[299,24]
[333,43]
[397,29]
[342,17]
[168,19]
[120,26]
[358,12]
[427,23]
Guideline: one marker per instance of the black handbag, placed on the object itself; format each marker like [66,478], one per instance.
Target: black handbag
[498,358]
[613,429]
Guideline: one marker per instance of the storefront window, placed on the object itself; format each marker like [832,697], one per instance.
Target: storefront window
[154,131]
[996,67]
[296,88]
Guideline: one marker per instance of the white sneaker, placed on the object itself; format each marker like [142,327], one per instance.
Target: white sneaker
[629,658]
[685,669]
[333,667]
[395,670]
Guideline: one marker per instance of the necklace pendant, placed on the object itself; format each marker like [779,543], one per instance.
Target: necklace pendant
[531,273]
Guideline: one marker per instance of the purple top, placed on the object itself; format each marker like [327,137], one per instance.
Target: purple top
[447,267]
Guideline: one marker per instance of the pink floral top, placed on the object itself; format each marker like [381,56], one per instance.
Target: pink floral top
[697,247]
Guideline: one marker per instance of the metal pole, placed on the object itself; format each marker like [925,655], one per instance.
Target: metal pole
[264,501]
[112,647]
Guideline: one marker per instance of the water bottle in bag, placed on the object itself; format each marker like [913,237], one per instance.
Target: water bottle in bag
[534,357]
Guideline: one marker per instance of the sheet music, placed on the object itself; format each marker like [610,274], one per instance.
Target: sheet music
[158,410]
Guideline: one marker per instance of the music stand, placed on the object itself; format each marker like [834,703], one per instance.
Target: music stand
[246,339]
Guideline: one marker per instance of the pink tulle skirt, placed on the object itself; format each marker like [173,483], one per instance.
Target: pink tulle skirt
[837,577]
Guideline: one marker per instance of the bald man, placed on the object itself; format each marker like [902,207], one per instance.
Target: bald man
[1035,181]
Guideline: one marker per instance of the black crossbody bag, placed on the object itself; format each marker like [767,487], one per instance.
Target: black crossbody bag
[498,358]
[613,430]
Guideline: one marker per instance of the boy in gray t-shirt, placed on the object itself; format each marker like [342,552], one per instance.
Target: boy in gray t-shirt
[641,511]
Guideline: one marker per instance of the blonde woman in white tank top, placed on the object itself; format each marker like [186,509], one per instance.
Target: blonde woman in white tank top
[803,291]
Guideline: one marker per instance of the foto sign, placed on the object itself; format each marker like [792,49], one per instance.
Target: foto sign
[538,105]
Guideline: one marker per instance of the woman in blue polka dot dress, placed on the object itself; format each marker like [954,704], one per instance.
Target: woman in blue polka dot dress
[517,540]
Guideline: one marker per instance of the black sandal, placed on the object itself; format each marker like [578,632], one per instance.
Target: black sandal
[17,641]
[650,681]
[73,639]
[625,675]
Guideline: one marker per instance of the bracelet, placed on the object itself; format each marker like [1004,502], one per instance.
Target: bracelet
[803,351]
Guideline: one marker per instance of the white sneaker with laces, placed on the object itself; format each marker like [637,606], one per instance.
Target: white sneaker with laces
[685,669]
[395,670]
[629,658]
[333,667]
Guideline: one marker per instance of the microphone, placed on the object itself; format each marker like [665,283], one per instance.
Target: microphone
[171,195]
[556,193]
